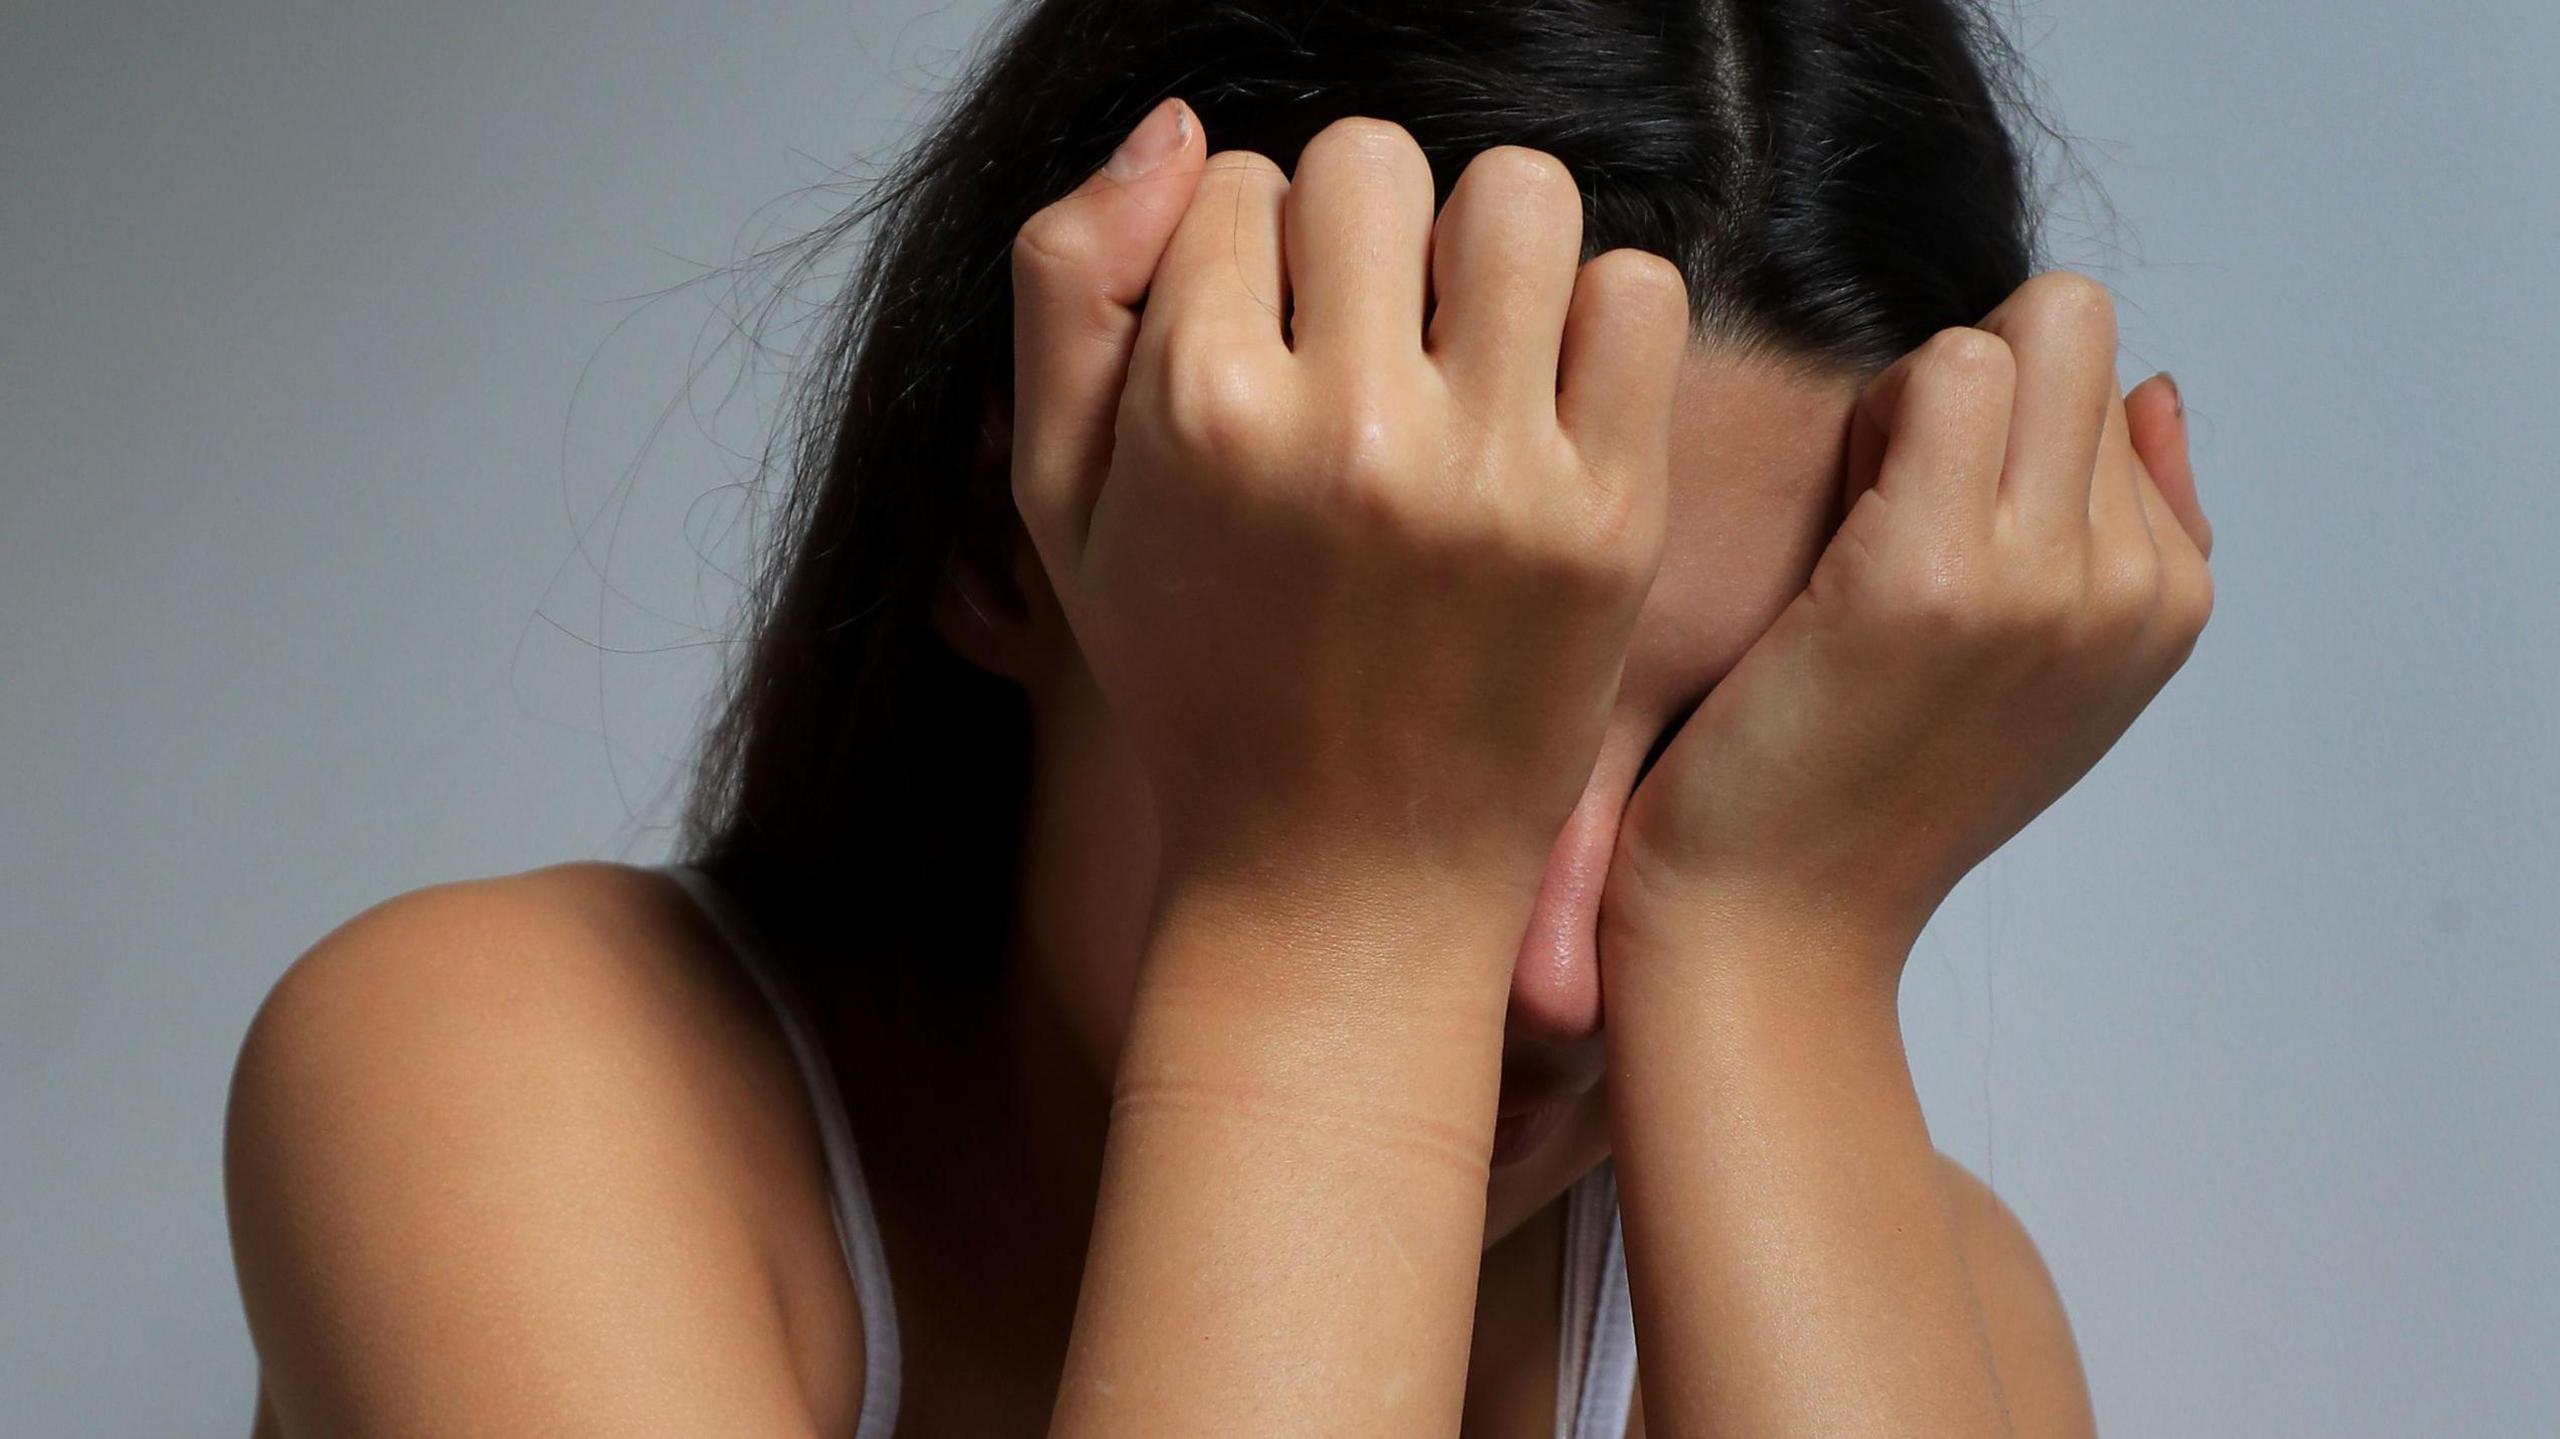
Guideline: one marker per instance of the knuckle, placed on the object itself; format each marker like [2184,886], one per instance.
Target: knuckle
[1370,508]
[2069,301]
[1645,279]
[1362,135]
[1580,554]
[1233,175]
[2061,563]
[1971,353]
[1369,446]
[2043,610]
[2190,596]
[1244,167]
[1368,451]
[1616,517]
[1584,574]
[1619,555]
[2125,587]
[1942,598]
[1518,169]
[1055,241]
[1212,399]
[2012,608]
[1611,511]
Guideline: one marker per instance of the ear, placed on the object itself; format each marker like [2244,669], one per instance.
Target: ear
[994,607]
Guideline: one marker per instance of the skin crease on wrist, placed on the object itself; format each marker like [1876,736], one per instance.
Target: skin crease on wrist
[1756,459]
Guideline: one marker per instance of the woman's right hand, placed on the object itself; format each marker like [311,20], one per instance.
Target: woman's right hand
[1359,594]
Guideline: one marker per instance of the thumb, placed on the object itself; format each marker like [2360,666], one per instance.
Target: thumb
[2156,416]
[1080,268]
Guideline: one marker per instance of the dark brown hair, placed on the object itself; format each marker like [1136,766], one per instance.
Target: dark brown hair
[1838,179]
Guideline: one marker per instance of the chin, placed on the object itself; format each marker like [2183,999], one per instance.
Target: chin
[1540,1175]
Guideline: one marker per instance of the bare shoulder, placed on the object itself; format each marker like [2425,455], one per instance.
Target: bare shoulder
[525,1154]
[2031,1341]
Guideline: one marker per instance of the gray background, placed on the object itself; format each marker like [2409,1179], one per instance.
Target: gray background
[322,576]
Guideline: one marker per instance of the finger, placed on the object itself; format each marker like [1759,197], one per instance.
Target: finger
[1223,274]
[2128,565]
[2117,516]
[1931,432]
[2062,326]
[1080,267]
[1358,236]
[1503,258]
[2179,552]
[2186,580]
[2156,416]
[2166,532]
[1871,429]
[1620,355]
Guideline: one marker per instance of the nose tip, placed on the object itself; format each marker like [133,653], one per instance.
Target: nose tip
[1555,981]
[1555,994]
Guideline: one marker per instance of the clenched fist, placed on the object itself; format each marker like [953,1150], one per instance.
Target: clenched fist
[1354,544]
[2022,569]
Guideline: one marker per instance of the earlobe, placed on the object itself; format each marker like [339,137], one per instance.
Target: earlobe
[975,623]
[1008,626]
[994,606]
[972,610]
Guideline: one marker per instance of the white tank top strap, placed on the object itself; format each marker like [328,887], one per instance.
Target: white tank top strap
[1596,1359]
[857,1231]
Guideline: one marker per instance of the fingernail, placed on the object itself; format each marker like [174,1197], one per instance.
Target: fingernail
[1156,137]
[2175,393]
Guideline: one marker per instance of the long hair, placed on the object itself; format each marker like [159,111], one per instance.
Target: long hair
[1838,180]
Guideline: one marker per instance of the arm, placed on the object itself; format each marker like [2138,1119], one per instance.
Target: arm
[1292,1206]
[2021,569]
[1792,1239]
[1360,608]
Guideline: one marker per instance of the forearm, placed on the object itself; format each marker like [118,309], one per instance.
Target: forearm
[1793,1262]
[1292,1205]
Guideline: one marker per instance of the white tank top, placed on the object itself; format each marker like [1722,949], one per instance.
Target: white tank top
[1595,1358]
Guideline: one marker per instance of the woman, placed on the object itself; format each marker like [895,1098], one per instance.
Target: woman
[1479,506]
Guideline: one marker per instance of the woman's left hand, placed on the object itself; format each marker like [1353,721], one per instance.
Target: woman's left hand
[2021,569]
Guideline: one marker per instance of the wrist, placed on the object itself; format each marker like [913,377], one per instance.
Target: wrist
[1336,927]
[1820,940]
[1355,1020]
[1859,879]
[1751,1004]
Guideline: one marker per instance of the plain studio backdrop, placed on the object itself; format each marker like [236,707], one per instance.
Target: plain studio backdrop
[363,523]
